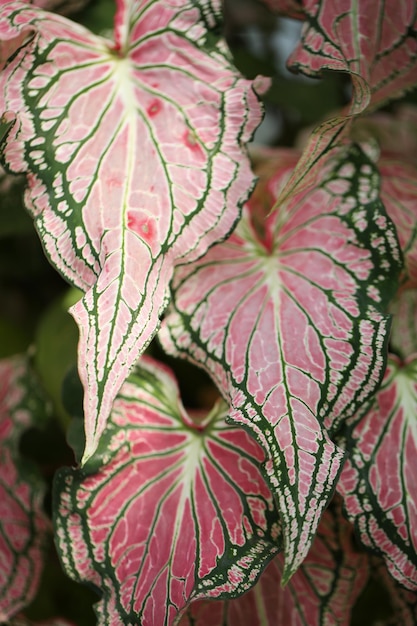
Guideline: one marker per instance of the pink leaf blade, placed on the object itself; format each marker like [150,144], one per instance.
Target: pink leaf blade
[132,157]
[322,592]
[374,43]
[291,326]
[12,40]
[378,486]
[166,510]
[23,523]
[399,195]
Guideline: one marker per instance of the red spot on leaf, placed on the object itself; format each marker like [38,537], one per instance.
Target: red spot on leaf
[154,108]
[190,140]
[143,226]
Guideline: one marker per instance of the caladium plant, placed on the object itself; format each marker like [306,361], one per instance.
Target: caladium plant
[23,522]
[133,155]
[133,148]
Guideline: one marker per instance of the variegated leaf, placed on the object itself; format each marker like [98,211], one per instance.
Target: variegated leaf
[133,151]
[399,195]
[290,325]
[168,510]
[321,593]
[375,42]
[23,524]
[379,481]
[318,149]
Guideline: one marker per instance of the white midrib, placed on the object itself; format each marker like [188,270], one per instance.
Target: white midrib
[192,461]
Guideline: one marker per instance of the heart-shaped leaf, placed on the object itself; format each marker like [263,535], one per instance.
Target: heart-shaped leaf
[168,509]
[133,151]
[23,524]
[379,481]
[289,323]
[322,592]
[375,42]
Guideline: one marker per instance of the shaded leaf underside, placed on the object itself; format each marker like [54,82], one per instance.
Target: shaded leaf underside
[132,152]
[173,510]
[289,325]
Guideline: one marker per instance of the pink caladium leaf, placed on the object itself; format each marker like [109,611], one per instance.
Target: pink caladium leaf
[374,42]
[379,481]
[399,195]
[320,145]
[290,325]
[168,510]
[133,151]
[23,524]
[322,592]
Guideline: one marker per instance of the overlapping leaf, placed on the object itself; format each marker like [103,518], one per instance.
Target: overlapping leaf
[289,324]
[133,151]
[322,592]
[22,522]
[399,195]
[396,132]
[173,510]
[379,481]
[375,42]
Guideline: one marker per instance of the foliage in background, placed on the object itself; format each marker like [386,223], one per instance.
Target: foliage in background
[296,299]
